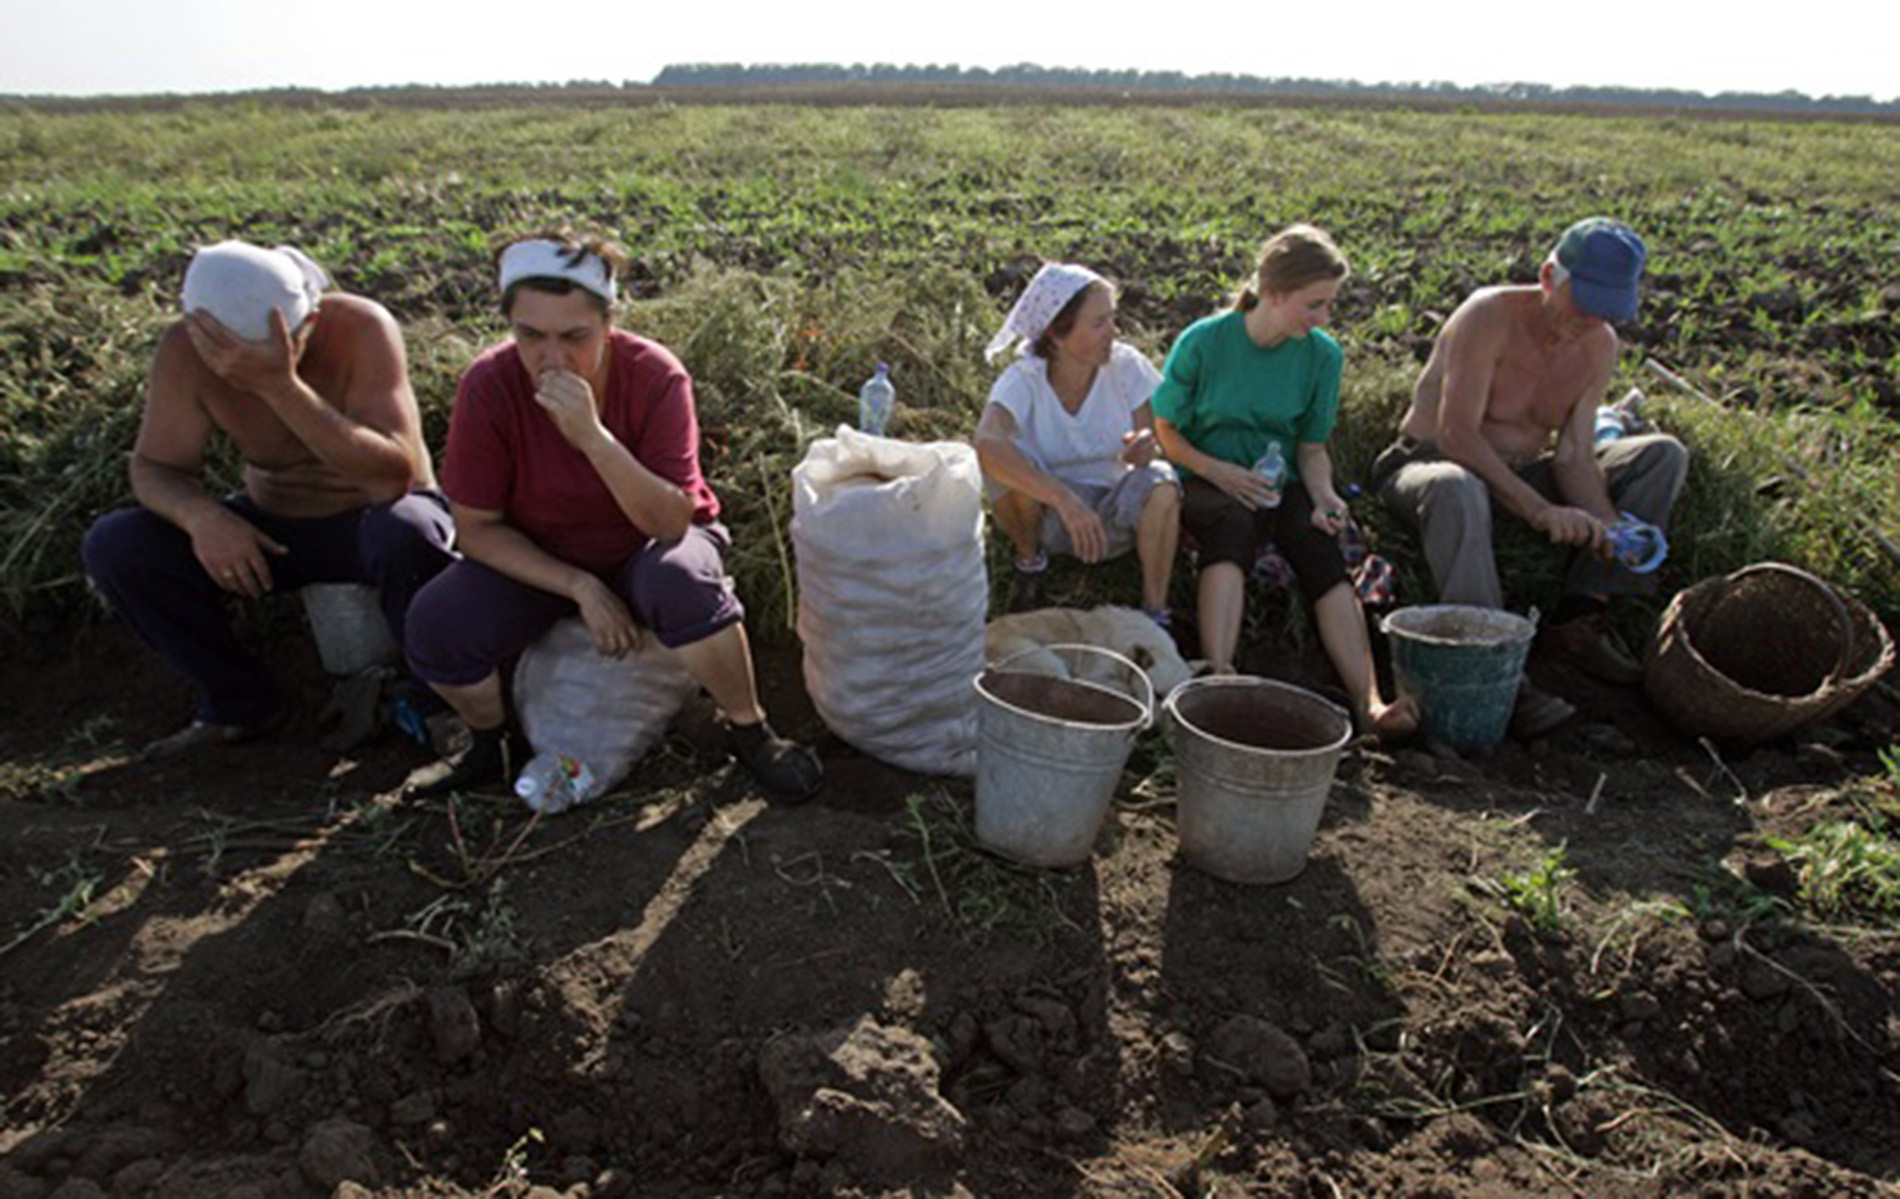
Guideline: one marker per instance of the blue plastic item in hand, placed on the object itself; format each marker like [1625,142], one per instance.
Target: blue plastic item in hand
[1637,544]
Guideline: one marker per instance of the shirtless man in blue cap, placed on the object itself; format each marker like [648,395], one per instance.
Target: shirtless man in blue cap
[1505,414]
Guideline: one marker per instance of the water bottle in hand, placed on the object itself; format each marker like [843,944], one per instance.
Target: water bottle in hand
[875,400]
[1272,468]
[553,783]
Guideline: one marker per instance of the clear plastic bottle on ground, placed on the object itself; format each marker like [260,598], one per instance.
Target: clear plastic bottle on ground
[875,400]
[1272,467]
[552,783]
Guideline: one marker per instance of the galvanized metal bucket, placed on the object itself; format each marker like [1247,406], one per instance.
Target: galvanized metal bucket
[1253,761]
[1049,753]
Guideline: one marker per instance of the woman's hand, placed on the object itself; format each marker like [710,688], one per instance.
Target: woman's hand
[607,619]
[1238,481]
[568,400]
[1139,447]
[1087,537]
[1329,512]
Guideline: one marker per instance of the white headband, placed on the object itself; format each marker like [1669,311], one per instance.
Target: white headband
[239,284]
[551,260]
[1054,286]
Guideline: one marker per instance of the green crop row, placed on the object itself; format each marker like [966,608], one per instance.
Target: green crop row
[781,250]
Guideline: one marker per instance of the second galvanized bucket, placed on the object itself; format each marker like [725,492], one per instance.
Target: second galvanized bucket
[1253,761]
[1049,753]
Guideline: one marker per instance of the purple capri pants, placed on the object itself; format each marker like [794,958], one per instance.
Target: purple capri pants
[472,618]
[1226,530]
[144,567]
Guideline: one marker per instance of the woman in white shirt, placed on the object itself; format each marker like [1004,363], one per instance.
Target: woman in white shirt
[1067,441]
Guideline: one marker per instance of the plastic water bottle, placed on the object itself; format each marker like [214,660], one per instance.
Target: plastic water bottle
[1272,468]
[875,400]
[1637,544]
[552,783]
[1610,424]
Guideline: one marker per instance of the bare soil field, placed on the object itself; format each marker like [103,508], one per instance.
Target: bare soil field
[262,973]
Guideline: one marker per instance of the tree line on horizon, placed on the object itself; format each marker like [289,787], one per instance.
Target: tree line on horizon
[705,74]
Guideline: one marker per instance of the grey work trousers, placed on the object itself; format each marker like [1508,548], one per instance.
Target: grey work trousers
[1451,508]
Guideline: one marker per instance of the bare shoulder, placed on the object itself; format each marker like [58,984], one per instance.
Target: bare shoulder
[357,317]
[176,365]
[1493,307]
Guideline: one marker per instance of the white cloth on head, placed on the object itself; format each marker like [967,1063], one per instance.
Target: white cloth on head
[551,260]
[1054,285]
[239,283]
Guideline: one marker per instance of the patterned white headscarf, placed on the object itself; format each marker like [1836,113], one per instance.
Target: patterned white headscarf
[240,283]
[1054,285]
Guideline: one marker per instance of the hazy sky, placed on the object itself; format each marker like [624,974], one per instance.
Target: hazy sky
[82,47]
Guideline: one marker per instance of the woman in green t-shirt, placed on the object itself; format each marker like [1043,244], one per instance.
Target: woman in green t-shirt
[1246,405]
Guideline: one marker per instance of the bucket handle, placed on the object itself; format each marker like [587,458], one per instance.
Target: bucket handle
[1846,624]
[1147,687]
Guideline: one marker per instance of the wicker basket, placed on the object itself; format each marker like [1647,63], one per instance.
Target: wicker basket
[1761,652]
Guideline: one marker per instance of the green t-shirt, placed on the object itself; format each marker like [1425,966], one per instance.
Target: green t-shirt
[1230,398]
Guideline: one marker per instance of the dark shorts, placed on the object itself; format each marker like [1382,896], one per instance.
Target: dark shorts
[472,618]
[1226,530]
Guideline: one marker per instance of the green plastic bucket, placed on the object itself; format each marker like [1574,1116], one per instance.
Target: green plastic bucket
[1463,666]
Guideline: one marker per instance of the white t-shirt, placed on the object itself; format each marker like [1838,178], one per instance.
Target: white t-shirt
[1086,447]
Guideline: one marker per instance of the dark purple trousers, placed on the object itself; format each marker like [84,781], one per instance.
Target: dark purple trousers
[144,566]
[472,618]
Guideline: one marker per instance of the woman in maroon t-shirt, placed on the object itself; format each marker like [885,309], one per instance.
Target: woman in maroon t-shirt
[573,472]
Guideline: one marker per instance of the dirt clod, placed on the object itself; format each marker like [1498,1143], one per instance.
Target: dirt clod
[456,1028]
[1261,1053]
[867,1093]
[339,1151]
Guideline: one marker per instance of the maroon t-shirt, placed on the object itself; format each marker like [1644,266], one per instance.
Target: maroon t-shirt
[506,455]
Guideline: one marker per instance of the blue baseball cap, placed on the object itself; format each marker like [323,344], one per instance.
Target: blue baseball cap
[1605,259]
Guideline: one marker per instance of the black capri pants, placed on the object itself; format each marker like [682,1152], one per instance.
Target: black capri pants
[1226,530]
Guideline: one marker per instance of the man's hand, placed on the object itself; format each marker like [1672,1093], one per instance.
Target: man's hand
[569,402]
[615,634]
[1329,512]
[233,551]
[1570,526]
[1240,482]
[1086,534]
[1139,447]
[259,368]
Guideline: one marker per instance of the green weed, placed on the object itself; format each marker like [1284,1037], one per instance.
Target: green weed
[73,885]
[1847,871]
[1538,893]
[978,892]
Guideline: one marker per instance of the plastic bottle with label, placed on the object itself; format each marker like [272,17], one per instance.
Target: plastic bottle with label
[1271,467]
[552,783]
[875,400]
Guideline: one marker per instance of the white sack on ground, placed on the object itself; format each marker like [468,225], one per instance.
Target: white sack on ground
[603,711]
[892,592]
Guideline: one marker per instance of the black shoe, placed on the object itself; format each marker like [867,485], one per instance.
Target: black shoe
[1589,644]
[1537,712]
[789,771]
[489,759]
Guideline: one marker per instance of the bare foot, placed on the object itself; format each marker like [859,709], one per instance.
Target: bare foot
[1390,722]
